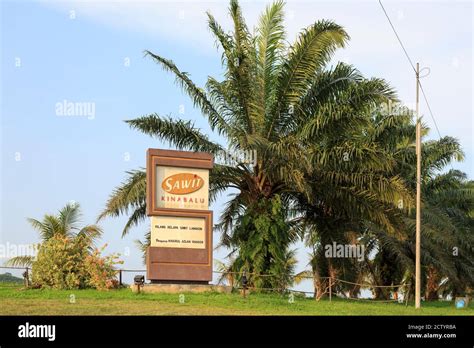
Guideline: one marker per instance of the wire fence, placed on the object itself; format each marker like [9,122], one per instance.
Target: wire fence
[327,284]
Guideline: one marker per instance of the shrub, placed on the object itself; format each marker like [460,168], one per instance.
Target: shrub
[59,263]
[68,263]
[100,270]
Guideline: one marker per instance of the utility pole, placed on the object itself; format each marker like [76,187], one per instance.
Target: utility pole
[418,170]
[418,193]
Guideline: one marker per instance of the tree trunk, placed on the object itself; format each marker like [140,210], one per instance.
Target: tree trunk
[432,284]
[319,287]
[354,292]
[378,293]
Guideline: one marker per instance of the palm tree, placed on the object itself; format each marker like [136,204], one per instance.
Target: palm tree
[446,223]
[372,216]
[448,234]
[447,239]
[66,223]
[276,100]
[357,182]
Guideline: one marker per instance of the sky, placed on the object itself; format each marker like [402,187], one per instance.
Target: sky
[55,52]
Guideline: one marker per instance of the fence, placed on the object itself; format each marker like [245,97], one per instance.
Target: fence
[329,283]
[26,277]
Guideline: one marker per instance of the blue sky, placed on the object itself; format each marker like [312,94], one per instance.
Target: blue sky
[77,51]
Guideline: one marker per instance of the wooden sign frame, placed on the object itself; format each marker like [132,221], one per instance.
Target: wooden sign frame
[182,264]
[172,265]
[172,158]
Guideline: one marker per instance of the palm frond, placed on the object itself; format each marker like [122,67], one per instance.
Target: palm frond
[181,134]
[130,195]
[90,232]
[69,217]
[20,261]
[198,95]
[309,55]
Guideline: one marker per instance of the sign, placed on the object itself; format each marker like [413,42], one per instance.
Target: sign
[178,232]
[177,180]
[182,183]
[181,223]
[182,188]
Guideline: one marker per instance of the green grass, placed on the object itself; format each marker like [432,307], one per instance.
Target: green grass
[17,301]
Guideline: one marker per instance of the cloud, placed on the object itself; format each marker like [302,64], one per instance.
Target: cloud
[426,29]
[183,23]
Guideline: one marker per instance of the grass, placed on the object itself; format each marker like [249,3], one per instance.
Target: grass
[17,301]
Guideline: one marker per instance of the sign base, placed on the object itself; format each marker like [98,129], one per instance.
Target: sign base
[181,288]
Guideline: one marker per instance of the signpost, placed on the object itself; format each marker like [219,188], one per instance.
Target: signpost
[180,248]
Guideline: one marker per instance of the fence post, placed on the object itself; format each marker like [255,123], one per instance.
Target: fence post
[244,282]
[27,277]
[330,289]
[407,295]
[120,276]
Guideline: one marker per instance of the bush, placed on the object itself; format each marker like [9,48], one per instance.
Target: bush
[101,272]
[59,263]
[67,263]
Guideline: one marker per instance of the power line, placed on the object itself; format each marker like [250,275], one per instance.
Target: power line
[398,37]
[429,109]
[413,67]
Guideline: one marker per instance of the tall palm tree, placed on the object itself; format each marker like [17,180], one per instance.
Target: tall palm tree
[66,223]
[451,196]
[275,99]
[447,240]
[386,227]
[446,224]
[356,181]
